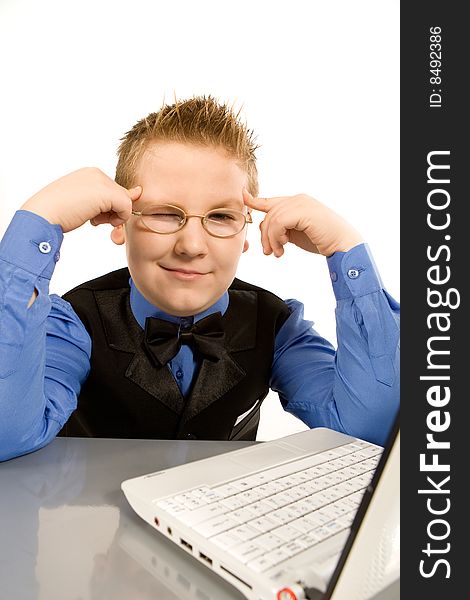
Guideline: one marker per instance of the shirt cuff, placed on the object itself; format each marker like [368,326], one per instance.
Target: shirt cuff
[354,273]
[32,243]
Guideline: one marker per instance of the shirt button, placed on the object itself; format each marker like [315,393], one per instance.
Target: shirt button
[353,273]
[45,247]
[57,256]
[334,276]
[179,374]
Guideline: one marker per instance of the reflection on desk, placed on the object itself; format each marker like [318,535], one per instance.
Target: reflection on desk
[67,531]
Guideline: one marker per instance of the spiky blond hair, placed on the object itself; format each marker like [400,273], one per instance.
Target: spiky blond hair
[202,121]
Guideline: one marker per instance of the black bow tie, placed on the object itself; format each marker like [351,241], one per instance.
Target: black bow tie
[163,339]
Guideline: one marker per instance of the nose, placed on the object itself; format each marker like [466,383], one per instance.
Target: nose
[191,240]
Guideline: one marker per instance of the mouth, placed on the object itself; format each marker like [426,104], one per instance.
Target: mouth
[185,274]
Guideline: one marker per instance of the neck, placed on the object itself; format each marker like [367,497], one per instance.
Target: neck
[142,308]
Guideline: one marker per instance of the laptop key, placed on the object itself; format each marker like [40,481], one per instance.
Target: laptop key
[234,502]
[245,532]
[260,564]
[226,490]
[243,515]
[268,541]
[203,514]
[277,556]
[263,524]
[215,525]
[227,539]
[287,533]
[247,551]
[295,547]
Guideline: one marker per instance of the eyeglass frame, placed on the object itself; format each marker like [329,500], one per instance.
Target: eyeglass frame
[248,219]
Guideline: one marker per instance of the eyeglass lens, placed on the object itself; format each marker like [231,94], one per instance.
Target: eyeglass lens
[169,219]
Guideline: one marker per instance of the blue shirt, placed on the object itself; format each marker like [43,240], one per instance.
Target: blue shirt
[45,349]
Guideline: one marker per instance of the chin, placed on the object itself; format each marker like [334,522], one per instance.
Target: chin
[186,309]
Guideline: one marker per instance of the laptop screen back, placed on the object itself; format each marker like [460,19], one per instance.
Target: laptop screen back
[370,559]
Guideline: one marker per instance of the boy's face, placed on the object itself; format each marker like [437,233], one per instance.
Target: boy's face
[184,273]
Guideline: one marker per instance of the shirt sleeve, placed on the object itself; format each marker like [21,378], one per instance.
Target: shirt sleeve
[354,388]
[44,349]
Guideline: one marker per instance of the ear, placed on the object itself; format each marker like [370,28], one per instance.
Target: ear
[246,245]
[118,235]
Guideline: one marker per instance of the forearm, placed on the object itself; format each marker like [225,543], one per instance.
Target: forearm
[367,370]
[26,419]
[38,396]
[355,388]
[366,388]
[43,347]
[24,422]
[28,253]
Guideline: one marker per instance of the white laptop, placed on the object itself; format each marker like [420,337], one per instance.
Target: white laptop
[313,515]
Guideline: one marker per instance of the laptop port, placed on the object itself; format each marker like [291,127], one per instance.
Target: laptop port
[186,544]
[205,558]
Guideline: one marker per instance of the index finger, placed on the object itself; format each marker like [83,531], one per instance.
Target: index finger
[123,211]
[258,203]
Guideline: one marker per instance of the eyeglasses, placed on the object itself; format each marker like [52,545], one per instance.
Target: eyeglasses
[220,222]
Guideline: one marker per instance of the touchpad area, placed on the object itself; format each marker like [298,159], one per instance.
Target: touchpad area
[261,457]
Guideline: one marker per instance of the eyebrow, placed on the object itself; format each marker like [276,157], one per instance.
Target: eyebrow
[229,203]
[232,203]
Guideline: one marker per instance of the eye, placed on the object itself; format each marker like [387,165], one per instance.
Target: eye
[166,213]
[221,216]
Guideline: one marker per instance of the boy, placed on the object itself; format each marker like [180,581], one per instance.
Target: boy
[174,346]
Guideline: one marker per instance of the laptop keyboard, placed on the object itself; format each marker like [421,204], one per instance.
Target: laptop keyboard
[272,515]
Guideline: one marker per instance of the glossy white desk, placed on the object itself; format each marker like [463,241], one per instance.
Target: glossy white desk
[68,533]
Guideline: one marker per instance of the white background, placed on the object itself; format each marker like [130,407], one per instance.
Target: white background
[317,81]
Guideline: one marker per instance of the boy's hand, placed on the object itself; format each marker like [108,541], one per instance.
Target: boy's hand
[303,221]
[84,195]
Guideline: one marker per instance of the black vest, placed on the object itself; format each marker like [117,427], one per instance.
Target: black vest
[126,396]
